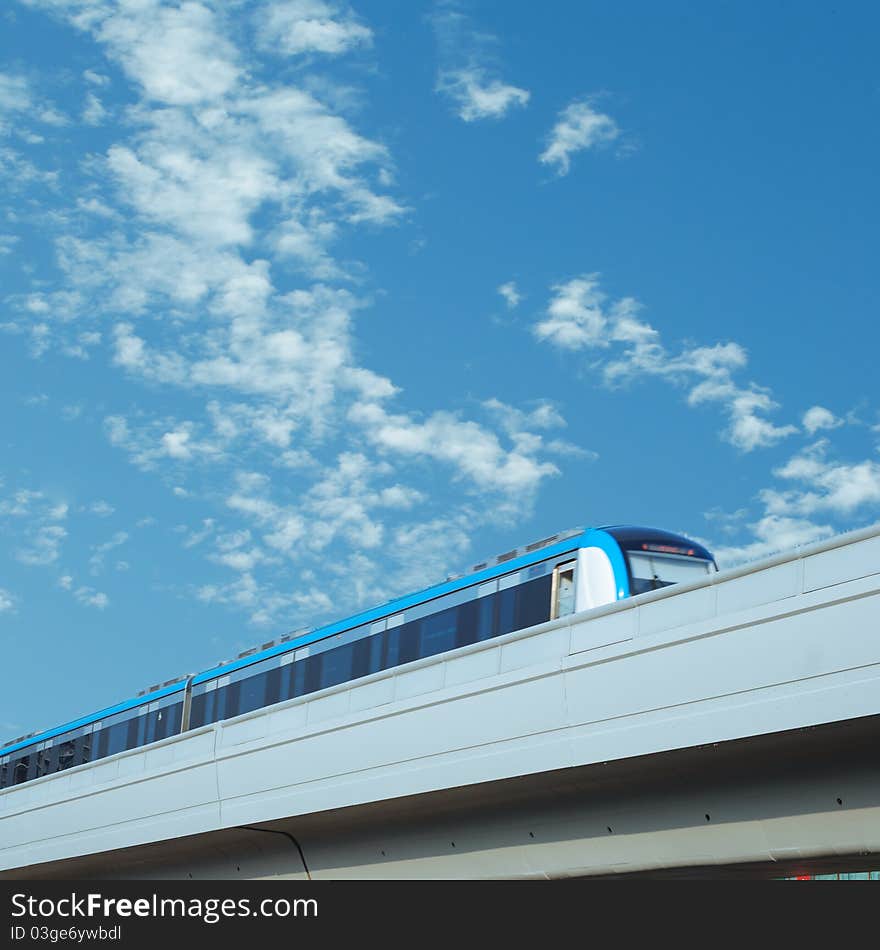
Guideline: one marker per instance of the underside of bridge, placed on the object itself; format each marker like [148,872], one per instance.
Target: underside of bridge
[805,801]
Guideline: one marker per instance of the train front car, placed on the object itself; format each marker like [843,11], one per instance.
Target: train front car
[620,561]
[641,560]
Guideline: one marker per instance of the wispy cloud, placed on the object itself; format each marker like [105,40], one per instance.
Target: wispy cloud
[19,99]
[580,127]
[7,601]
[477,96]
[818,417]
[207,266]
[510,293]
[815,495]
[100,551]
[93,112]
[771,534]
[475,452]
[580,317]
[89,597]
[37,522]
[296,27]
[468,71]
[824,485]
[15,95]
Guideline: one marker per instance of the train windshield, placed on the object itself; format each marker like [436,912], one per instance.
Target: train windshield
[651,570]
[658,558]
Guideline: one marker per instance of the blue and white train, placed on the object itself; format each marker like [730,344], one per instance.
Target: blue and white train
[560,575]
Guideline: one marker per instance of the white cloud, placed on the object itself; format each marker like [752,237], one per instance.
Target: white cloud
[19,173]
[772,534]
[511,294]
[151,443]
[94,112]
[44,546]
[89,597]
[15,94]
[580,317]
[196,537]
[176,53]
[186,254]
[468,73]
[575,318]
[311,26]
[473,451]
[521,428]
[263,602]
[515,421]
[840,488]
[815,496]
[175,444]
[96,78]
[209,199]
[818,417]
[36,521]
[96,561]
[7,601]
[51,116]
[479,97]
[578,127]
[17,97]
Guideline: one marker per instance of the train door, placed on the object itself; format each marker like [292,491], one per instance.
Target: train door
[562,590]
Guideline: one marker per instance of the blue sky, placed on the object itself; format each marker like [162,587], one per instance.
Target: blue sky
[308,304]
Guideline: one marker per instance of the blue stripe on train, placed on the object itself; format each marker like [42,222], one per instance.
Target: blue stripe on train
[593,537]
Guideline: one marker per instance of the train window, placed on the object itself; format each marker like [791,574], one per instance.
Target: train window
[408,649]
[66,753]
[131,740]
[198,710]
[202,707]
[563,590]
[376,652]
[82,749]
[506,611]
[116,738]
[273,686]
[651,571]
[312,666]
[533,602]
[252,693]
[467,623]
[299,679]
[228,700]
[360,658]
[486,617]
[20,772]
[438,632]
[336,667]
[438,604]
[286,672]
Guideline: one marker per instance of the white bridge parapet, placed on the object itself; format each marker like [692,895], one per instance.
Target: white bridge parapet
[790,642]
